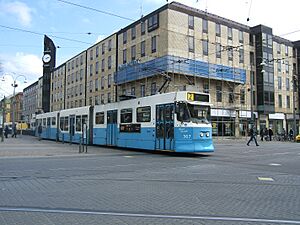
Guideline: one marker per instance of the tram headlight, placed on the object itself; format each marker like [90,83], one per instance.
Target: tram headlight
[207,134]
[201,134]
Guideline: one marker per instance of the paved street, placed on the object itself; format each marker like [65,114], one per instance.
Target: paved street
[44,182]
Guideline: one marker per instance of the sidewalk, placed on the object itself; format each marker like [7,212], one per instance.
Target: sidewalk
[29,146]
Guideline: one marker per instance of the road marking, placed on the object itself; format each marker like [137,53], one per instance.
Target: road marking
[128,156]
[274,164]
[265,179]
[214,218]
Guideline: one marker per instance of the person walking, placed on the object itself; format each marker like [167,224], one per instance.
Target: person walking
[291,134]
[6,131]
[252,136]
[14,131]
[270,134]
[40,130]
[262,134]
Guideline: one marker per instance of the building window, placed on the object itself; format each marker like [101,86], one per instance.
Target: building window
[153,22]
[124,56]
[218,30]
[251,39]
[143,46]
[242,96]
[102,98]
[133,52]
[143,94]
[102,83]
[102,65]
[109,45]
[153,44]
[231,96]
[229,33]
[191,22]
[230,54]
[133,33]
[124,37]
[97,51]
[288,104]
[153,88]
[96,84]
[109,80]
[91,71]
[191,44]
[205,87]
[103,48]
[219,93]
[241,55]
[286,50]
[278,48]
[280,101]
[143,27]
[218,50]
[241,36]
[91,85]
[204,26]
[109,62]
[287,84]
[133,91]
[96,67]
[205,47]
[251,58]
[91,56]
[108,97]
[287,67]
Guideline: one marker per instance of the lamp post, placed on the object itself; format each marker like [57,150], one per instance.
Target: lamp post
[294,106]
[14,85]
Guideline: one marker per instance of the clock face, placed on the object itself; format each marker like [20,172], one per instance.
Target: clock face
[46,58]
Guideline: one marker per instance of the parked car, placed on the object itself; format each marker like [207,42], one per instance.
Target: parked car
[298,138]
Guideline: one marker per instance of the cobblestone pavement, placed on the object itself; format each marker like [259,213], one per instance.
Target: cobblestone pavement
[44,182]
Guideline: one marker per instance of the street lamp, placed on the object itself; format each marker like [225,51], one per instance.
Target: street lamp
[14,85]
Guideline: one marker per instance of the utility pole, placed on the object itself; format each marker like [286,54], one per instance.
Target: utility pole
[3,117]
[294,106]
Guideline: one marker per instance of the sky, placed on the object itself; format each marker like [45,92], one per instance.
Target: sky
[23,24]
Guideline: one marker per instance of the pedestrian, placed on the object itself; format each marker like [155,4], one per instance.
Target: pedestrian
[252,136]
[291,134]
[262,134]
[40,130]
[270,134]
[14,131]
[6,131]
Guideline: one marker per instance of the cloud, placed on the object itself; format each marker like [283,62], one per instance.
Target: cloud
[28,65]
[19,10]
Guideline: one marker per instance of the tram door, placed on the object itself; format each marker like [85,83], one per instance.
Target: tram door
[48,128]
[112,128]
[165,127]
[72,127]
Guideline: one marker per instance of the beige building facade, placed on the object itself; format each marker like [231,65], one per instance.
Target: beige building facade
[248,71]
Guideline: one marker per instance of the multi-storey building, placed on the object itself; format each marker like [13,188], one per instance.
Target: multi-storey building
[58,85]
[16,108]
[245,69]
[30,101]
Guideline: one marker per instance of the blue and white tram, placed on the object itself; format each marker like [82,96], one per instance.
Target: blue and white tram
[49,123]
[73,122]
[176,121]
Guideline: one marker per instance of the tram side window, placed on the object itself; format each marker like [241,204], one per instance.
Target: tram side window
[78,123]
[182,112]
[143,114]
[100,118]
[126,116]
[84,120]
[53,121]
[61,123]
[44,122]
[66,124]
[48,121]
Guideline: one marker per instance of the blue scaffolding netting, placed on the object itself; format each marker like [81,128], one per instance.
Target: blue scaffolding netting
[179,65]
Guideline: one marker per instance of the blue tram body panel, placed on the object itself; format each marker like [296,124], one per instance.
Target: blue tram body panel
[188,139]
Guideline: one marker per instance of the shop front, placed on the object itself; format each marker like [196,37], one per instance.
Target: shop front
[245,122]
[277,122]
[290,121]
[223,122]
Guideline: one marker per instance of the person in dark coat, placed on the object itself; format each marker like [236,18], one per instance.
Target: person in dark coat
[14,131]
[252,136]
[270,134]
[6,131]
[40,130]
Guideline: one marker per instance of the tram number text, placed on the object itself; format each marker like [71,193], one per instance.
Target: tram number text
[187,136]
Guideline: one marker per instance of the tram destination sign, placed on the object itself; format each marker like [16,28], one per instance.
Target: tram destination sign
[197,97]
